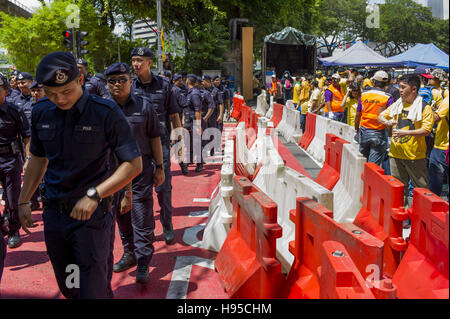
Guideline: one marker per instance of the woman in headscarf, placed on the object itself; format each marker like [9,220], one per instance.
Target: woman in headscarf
[287,83]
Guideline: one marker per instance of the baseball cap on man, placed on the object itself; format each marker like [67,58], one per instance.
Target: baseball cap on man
[336,76]
[423,71]
[439,74]
[381,76]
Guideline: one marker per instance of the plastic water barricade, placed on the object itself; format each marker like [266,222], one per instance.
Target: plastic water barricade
[342,130]
[310,131]
[238,101]
[282,124]
[316,148]
[246,264]
[290,104]
[423,270]
[253,125]
[261,105]
[331,170]
[349,189]
[220,209]
[314,225]
[244,160]
[382,214]
[277,114]
[341,279]
[289,126]
[284,185]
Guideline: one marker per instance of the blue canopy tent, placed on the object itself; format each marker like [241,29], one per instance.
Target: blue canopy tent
[359,55]
[423,54]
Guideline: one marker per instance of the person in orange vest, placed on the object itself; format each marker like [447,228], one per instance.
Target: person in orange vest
[334,95]
[373,137]
[273,86]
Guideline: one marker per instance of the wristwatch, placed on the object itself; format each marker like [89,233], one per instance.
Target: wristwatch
[160,166]
[93,194]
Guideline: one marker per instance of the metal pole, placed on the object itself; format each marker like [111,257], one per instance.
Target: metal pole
[159,21]
[74,43]
[118,48]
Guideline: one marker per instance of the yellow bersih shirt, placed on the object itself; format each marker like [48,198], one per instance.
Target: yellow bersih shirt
[410,147]
[441,138]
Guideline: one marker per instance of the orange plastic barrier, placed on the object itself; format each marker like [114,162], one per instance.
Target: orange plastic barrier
[246,264]
[314,225]
[382,214]
[423,271]
[341,279]
[331,170]
[310,131]
[277,114]
[237,104]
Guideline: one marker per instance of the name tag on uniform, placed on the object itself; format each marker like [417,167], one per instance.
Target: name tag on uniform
[82,128]
[138,114]
[159,91]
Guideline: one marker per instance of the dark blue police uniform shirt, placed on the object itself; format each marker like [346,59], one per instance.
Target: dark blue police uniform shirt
[13,124]
[218,95]
[20,100]
[194,100]
[12,95]
[159,91]
[180,96]
[77,143]
[95,86]
[208,102]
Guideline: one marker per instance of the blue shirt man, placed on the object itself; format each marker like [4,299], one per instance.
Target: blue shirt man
[73,134]
[24,80]
[137,228]
[159,91]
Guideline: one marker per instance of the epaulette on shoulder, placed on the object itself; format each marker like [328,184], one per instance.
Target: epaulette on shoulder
[108,103]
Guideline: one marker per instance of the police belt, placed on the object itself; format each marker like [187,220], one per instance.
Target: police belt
[6,149]
[66,206]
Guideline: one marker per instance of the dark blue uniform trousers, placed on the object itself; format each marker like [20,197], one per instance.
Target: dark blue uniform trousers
[84,244]
[164,192]
[10,180]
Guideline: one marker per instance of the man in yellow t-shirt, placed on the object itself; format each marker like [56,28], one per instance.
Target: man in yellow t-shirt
[296,92]
[439,94]
[408,147]
[438,167]
[304,96]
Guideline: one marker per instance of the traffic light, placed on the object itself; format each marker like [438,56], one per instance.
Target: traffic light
[81,44]
[68,39]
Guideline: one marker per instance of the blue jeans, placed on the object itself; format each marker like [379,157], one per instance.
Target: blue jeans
[373,145]
[339,116]
[438,171]
[303,122]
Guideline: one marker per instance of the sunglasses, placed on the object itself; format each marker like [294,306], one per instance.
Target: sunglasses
[120,80]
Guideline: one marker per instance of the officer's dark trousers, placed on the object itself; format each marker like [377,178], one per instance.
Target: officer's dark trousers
[82,244]
[164,192]
[2,255]
[136,228]
[11,181]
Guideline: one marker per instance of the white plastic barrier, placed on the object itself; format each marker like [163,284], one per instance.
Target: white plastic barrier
[270,111]
[316,148]
[284,185]
[261,106]
[221,209]
[243,155]
[342,130]
[350,188]
[290,104]
[290,129]
[283,123]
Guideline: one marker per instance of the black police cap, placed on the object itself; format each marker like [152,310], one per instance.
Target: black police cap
[141,51]
[35,85]
[57,69]
[216,77]
[177,77]
[24,76]
[207,77]
[83,62]
[199,79]
[15,72]
[117,68]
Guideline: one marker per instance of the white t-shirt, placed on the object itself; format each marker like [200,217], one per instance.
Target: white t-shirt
[315,95]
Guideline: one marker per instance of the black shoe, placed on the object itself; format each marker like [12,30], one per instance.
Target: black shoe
[14,240]
[184,169]
[142,276]
[4,229]
[127,261]
[199,168]
[35,206]
[169,235]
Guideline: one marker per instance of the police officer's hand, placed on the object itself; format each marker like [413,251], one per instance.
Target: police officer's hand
[84,209]
[159,177]
[219,120]
[25,218]
[25,166]
[126,204]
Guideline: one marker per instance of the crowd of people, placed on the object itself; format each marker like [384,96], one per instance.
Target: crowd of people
[402,122]
[92,148]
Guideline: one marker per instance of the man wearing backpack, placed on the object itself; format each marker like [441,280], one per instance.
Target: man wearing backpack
[287,85]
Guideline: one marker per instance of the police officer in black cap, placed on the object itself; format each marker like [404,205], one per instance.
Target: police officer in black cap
[137,228]
[73,133]
[219,98]
[209,105]
[13,90]
[93,84]
[159,91]
[24,80]
[13,127]
[193,121]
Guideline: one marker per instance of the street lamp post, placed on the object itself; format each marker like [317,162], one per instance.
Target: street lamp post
[159,21]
